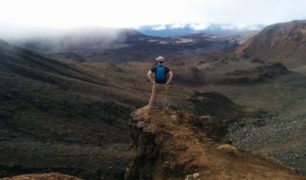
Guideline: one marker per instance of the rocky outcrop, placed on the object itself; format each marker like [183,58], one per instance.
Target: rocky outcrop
[45,176]
[179,145]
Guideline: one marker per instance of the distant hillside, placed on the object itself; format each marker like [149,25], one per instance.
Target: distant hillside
[284,42]
[122,45]
[188,29]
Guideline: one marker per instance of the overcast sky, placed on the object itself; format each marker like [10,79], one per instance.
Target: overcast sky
[133,13]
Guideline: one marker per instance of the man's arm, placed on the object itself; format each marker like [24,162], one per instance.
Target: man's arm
[170,77]
[149,74]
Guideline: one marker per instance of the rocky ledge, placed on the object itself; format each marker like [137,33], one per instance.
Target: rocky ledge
[179,145]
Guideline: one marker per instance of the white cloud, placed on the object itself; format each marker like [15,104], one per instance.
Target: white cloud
[161,27]
[177,25]
[133,13]
[198,26]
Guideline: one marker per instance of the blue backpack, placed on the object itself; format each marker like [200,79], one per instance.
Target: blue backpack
[160,75]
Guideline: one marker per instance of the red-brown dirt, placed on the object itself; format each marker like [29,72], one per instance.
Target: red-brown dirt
[168,146]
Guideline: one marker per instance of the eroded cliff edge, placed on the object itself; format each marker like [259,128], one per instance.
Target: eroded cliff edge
[179,145]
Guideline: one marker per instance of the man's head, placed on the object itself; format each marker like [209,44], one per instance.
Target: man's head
[160,59]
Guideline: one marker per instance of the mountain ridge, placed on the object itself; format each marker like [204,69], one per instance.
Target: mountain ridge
[123,45]
[282,42]
[166,30]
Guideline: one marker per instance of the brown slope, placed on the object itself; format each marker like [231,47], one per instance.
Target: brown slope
[284,42]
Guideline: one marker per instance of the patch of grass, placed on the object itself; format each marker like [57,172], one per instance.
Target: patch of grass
[228,149]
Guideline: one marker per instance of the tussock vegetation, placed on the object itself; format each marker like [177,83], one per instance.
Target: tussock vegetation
[229,149]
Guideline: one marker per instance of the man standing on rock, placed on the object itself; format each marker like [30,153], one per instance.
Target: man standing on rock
[163,76]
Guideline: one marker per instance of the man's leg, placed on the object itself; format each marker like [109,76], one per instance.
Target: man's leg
[164,96]
[152,101]
[158,97]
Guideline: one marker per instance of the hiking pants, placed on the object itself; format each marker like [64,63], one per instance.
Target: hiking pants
[159,96]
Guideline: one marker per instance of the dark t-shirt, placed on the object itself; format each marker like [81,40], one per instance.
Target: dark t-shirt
[167,70]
